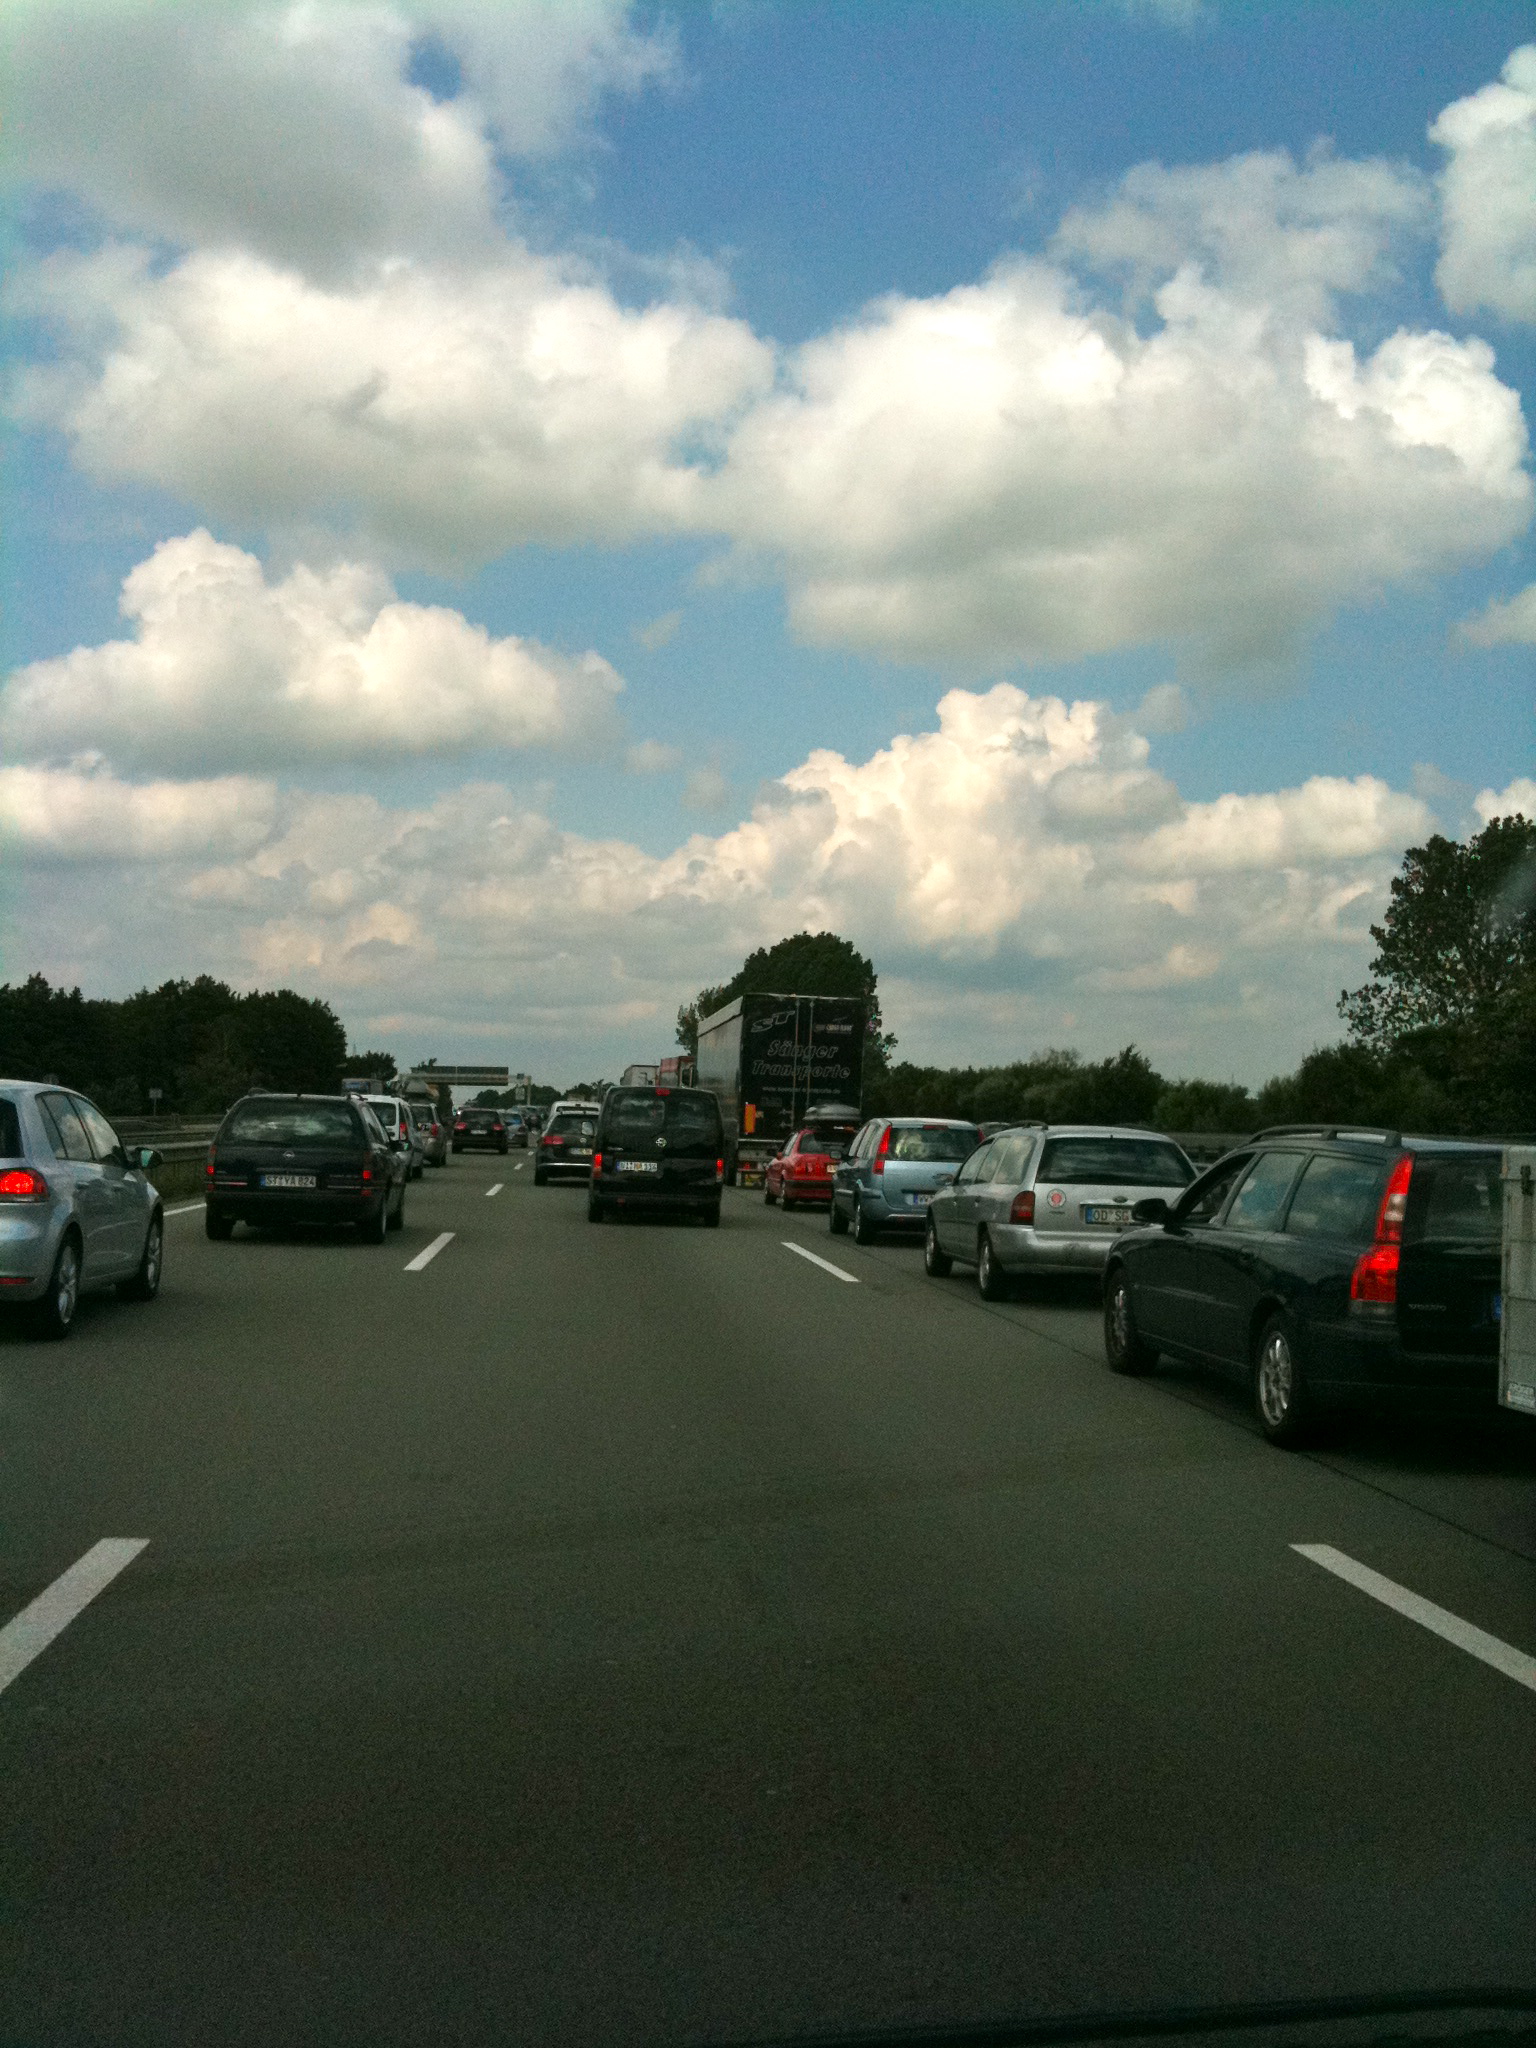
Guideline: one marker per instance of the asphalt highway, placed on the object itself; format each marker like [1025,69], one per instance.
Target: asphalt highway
[644,1634]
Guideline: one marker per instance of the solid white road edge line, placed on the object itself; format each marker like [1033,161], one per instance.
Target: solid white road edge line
[186,1210]
[496,1190]
[56,1606]
[425,1258]
[825,1264]
[1476,1642]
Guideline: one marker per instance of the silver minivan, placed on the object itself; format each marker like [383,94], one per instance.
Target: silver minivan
[1048,1198]
[77,1209]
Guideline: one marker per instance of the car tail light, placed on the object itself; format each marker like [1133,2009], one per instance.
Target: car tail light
[208,1169]
[1374,1280]
[597,1162]
[1023,1210]
[367,1175]
[719,1173]
[554,1141]
[878,1164]
[21,1184]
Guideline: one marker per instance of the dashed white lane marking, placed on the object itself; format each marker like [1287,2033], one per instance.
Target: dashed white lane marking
[55,1608]
[1476,1642]
[825,1264]
[519,1166]
[187,1209]
[497,1188]
[425,1258]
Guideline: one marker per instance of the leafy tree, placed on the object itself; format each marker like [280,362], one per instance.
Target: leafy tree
[1204,1106]
[364,1065]
[1452,994]
[805,964]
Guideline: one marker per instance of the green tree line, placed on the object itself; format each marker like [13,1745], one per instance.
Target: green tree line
[201,1043]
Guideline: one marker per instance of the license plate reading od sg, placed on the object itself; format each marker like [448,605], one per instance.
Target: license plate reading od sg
[1115,1218]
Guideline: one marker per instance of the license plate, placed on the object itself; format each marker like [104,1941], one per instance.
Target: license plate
[1111,1219]
[919,1201]
[638,1166]
[287,1180]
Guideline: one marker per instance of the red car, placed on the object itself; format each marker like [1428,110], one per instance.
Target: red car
[802,1172]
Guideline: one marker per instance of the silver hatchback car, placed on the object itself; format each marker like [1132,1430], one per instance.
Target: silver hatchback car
[77,1210]
[884,1180]
[1048,1198]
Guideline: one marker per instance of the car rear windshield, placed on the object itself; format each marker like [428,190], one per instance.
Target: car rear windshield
[10,1129]
[934,1141]
[571,1121]
[823,1143]
[481,1119]
[636,1116]
[1132,1162]
[1456,1201]
[292,1123]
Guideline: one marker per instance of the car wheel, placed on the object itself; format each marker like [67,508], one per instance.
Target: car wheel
[375,1228]
[837,1222]
[990,1277]
[711,1216]
[938,1265]
[145,1283]
[865,1231]
[596,1213]
[220,1228]
[1126,1351]
[1280,1395]
[458,1148]
[768,1195]
[53,1317]
[397,1214]
[540,1177]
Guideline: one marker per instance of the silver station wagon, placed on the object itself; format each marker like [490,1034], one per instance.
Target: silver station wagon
[1047,1198]
[77,1210]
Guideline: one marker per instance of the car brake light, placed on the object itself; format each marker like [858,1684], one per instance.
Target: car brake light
[367,1173]
[208,1169]
[1374,1279]
[1023,1210]
[597,1162]
[719,1173]
[21,1184]
[877,1165]
[554,1141]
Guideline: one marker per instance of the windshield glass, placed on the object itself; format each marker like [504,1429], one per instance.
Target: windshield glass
[1132,1162]
[933,1142]
[288,1123]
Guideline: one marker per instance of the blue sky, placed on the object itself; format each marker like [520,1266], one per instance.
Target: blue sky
[864,246]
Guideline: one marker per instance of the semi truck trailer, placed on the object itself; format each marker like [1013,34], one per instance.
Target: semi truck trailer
[771,1059]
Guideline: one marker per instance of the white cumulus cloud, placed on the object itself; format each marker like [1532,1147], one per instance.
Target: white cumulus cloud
[1518,798]
[226,669]
[293,129]
[1000,473]
[72,815]
[449,412]
[1019,865]
[1488,194]
[1511,623]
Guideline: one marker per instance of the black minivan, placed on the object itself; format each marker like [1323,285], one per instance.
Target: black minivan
[658,1148]
[1325,1268]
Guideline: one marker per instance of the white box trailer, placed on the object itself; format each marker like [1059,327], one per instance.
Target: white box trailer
[1517,1307]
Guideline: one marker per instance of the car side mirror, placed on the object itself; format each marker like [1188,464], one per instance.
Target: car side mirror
[149,1158]
[1154,1209]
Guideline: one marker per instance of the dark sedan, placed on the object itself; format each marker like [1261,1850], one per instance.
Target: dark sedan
[1322,1269]
[484,1129]
[282,1159]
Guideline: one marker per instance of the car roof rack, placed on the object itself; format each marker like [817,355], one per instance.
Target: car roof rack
[1379,1133]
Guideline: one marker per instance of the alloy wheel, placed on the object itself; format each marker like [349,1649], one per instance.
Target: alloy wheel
[1277,1380]
[66,1286]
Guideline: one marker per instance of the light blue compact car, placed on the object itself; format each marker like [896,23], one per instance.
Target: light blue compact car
[891,1172]
[77,1210]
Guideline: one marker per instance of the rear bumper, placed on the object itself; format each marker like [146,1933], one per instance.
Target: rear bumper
[1020,1248]
[327,1205]
[636,1191]
[1348,1364]
[29,1244]
[564,1169]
